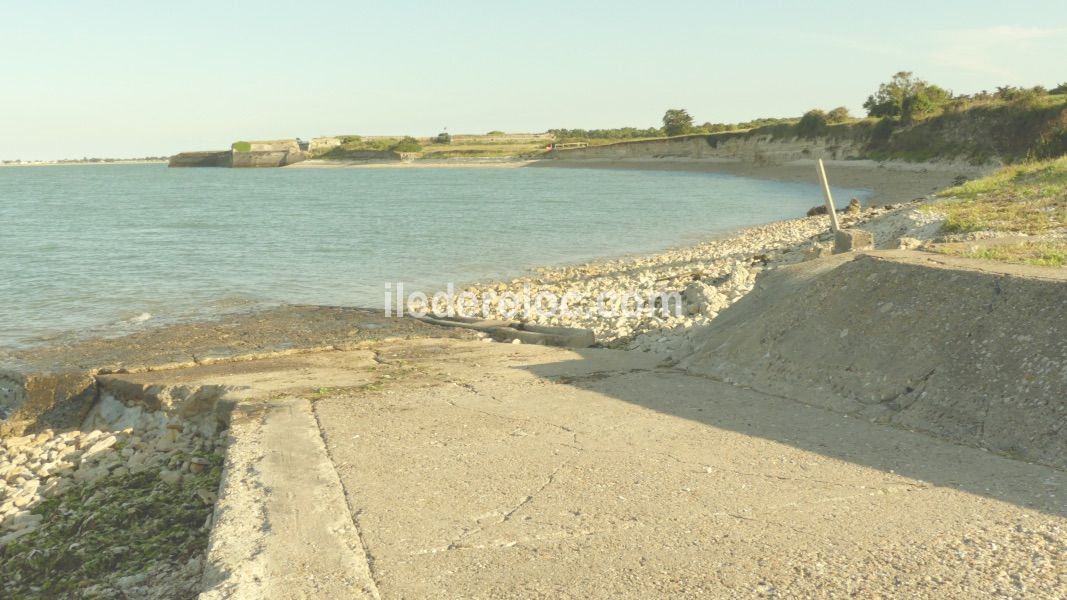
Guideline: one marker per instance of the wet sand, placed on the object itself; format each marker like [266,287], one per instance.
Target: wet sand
[889,183]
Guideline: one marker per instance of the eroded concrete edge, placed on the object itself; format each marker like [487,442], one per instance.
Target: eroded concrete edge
[294,544]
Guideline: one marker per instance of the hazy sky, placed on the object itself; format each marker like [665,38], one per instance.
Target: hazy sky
[117,79]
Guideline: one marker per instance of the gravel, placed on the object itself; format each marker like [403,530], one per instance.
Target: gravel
[706,277]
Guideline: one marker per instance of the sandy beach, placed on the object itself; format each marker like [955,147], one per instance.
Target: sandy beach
[458,163]
[888,182]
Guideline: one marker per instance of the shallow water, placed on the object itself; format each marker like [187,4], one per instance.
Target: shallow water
[108,248]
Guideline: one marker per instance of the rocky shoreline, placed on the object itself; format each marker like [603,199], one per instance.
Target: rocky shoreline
[707,277]
[120,508]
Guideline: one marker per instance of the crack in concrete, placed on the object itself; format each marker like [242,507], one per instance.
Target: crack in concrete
[354,515]
[519,419]
[506,516]
[918,386]
[551,478]
[595,376]
[525,542]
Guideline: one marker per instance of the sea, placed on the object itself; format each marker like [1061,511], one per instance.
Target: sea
[108,249]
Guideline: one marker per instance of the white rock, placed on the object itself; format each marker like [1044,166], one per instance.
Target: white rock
[99,448]
[90,474]
[14,535]
[23,520]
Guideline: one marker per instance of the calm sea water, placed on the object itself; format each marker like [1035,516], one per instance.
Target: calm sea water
[105,249]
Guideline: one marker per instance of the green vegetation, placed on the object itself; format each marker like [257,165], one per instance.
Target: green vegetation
[408,144]
[838,115]
[906,97]
[1041,254]
[593,136]
[908,119]
[1028,198]
[119,527]
[913,120]
[354,147]
[812,124]
[676,121]
[241,147]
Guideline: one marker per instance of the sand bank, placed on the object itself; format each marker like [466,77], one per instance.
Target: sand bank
[465,163]
[889,182]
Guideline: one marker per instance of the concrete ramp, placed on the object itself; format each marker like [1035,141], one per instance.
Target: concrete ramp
[972,352]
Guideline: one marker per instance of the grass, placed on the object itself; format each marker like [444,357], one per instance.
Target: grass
[1029,198]
[981,131]
[1042,254]
[94,533]
[474,150]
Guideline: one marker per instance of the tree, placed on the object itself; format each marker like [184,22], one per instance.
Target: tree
[1059,89]
[906,97]
[408,144]
[838,115]
[676,121]
[812,124]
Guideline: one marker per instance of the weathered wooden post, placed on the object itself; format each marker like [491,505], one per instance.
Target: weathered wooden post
[829,199]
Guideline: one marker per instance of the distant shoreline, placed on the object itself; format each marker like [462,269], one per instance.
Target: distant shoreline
[461,163]
[888,182]
[75,163]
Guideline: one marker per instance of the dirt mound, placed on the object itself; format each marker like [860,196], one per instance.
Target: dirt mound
[972,352]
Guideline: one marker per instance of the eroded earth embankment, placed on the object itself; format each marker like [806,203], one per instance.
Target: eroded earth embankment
[972,352]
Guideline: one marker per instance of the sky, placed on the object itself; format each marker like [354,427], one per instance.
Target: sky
[129,79]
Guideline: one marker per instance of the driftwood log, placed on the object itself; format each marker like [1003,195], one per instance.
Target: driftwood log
[506,331]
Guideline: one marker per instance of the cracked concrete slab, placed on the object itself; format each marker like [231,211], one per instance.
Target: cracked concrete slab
[499,471]
[430,468]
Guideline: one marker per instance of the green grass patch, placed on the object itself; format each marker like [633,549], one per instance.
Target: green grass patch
[1028,198]
[1042,254]
[116,527]
[241,146]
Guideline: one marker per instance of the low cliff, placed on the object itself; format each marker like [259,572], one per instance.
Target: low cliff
[266,158]
[201,159]
[244,155]
[757,148]
[998,132]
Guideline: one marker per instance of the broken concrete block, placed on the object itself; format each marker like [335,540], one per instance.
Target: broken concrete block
[849,240]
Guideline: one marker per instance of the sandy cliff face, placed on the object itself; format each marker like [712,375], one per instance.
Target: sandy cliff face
[201,159]
[229,158]
[982,135]
[267,158]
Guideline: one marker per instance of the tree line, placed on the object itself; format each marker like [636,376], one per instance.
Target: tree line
[900,101]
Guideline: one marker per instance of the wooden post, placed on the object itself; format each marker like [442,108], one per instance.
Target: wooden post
[829,199]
